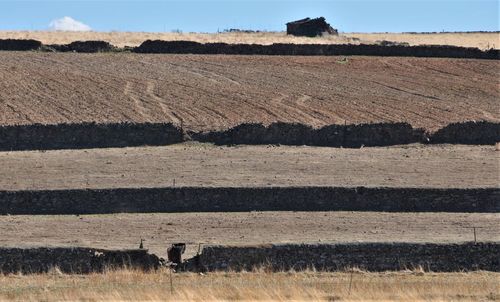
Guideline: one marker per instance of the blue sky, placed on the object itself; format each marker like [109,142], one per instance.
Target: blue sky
[210,16]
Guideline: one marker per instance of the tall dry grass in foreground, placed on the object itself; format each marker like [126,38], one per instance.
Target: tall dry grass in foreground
[120,39]
[260,285]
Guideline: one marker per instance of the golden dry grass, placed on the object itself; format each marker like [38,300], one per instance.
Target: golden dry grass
[120,39]
[259,285]
[479,40]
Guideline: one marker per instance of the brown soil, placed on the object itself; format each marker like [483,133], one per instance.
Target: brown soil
[205,165]
[159,230]
[216,92]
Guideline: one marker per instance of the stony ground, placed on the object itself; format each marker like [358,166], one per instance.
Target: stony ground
[124,231]
[206,165]
[201,92]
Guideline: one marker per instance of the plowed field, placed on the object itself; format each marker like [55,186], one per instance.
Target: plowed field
[216,92]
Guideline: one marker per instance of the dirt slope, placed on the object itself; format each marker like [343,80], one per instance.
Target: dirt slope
[217,92]
[203,165]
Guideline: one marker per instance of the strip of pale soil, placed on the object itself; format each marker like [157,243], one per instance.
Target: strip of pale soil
[205,165]
[123,231]
[210,92]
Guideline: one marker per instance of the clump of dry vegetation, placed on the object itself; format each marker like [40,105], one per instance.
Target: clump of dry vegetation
[413,285]
[121,39]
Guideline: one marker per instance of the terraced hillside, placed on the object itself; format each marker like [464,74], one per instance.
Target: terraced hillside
[202,93]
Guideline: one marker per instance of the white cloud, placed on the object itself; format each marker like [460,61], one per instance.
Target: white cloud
[68,24]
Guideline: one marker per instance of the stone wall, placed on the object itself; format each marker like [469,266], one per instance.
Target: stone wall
[73,260]
[87,135]
[199,199]
[470,133]
[282,257]
[367,256]
[82,46]
[93,135]
[348,136]
[19,45]
[188,47]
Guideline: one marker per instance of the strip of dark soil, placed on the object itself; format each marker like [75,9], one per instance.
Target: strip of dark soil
[206,199]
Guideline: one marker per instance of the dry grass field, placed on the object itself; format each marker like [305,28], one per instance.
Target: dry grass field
[206,165]
[127,285]
[207,92]
[123,231]
[120,39]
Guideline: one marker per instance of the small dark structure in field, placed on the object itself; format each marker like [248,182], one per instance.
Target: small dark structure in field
[310,27]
